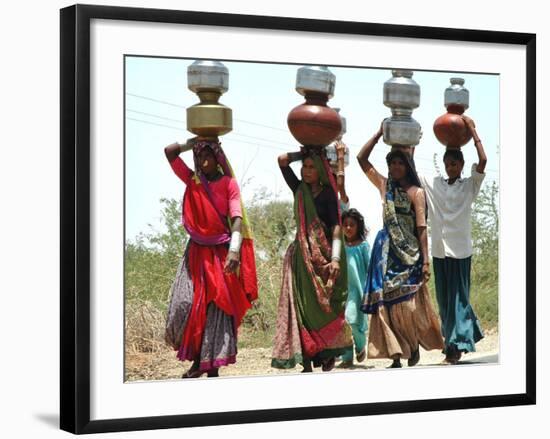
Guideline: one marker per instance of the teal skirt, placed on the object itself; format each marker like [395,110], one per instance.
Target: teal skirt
[460,326]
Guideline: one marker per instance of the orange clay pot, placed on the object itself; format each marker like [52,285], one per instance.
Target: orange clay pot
[450,129]
[313,123]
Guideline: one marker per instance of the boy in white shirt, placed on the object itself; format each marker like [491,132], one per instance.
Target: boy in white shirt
[450,208]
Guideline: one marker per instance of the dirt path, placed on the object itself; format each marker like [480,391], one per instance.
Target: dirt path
[163,364]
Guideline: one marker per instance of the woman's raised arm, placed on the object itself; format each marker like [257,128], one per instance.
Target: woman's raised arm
[363,157]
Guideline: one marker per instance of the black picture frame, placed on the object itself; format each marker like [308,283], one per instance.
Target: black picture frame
[75,217]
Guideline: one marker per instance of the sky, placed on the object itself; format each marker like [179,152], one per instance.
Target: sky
[261,95]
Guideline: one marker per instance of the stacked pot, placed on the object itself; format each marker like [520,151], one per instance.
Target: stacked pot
[313,123]
[209,80]
[450,129]
[402,96]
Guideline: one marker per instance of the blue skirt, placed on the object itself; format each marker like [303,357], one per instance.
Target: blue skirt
[460,326]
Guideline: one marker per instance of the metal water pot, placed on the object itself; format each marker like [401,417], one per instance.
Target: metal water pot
[315,79]
[401,131]
[209,80]
[402,95]
[331,149]
[401,92]
[457,95]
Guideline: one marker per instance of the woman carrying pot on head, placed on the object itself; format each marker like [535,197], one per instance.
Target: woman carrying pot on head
[216,280]
[311,326]
[396,293]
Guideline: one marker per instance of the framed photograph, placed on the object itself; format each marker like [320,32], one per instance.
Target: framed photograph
[136,257]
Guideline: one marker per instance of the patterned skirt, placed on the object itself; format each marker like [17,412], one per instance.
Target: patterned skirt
[296,339]
[219,338]
[399,329]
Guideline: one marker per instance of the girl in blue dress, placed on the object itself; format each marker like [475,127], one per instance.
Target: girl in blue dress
[358,256]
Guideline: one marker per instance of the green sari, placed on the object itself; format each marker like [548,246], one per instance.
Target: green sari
[310,321]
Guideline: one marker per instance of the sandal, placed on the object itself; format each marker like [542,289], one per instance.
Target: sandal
[452,356]
[193,373]
[395,365]
[448,361]
[328,364]
[415,358]
[213,373]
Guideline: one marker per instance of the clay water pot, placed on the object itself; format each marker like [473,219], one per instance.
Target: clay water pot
[450,129]
[313,123]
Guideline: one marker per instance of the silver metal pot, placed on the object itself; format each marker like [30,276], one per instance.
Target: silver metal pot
[207,76]
[331,149]
[316,79]
[333,158]
[401,92]
[457,94]
[401,131]
[402,96]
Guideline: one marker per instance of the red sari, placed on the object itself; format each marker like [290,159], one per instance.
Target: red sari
[206,211]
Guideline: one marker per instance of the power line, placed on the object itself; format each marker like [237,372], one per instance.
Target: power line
[147,98]
[354,146]
[234,133]
[181,106]
[180,129]
[250,137]
[154,115]
[153,123]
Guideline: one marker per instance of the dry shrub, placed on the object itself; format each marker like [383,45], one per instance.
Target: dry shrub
[144,327]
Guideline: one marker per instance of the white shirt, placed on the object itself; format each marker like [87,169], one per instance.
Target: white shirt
[450,211]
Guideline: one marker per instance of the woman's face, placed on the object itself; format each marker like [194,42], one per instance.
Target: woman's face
[309,172]
[453,167]
[398,168]
[350,229]
[207,162]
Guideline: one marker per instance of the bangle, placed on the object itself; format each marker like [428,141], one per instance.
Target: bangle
[336,249]
[236,241]
[340,173]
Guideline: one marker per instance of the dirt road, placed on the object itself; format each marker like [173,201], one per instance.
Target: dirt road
[163,364]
